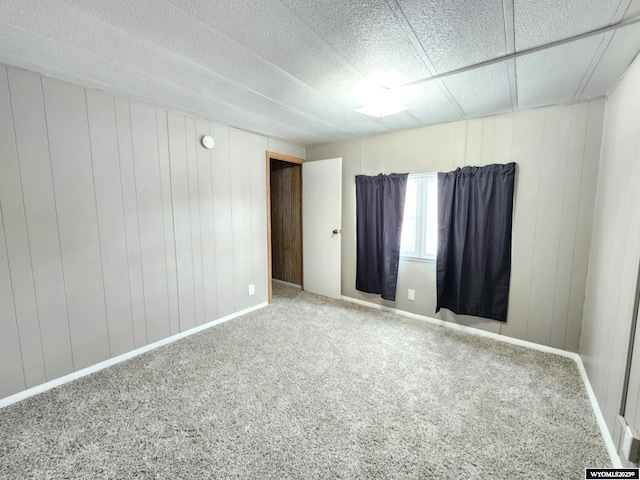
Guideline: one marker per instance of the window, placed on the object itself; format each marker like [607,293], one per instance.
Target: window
[420,223]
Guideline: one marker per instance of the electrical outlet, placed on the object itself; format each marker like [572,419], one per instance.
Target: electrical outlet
[412,294]
[252,289]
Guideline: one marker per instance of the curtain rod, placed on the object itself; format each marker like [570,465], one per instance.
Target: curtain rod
[615,26]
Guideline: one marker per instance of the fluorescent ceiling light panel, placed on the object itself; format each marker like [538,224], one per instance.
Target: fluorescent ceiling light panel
[381,109]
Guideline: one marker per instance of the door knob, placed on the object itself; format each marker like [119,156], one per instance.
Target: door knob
[336,231]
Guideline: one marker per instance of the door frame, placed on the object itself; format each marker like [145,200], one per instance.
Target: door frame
[284,158]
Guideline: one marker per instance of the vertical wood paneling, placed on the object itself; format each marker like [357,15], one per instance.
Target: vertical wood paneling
[66,116]
[113,240]
[473,152]
[132,229]
[194,206]
[614,251]
[40,211]
[439,150]
[182,219]
[503,140]
[548,224]
[237,219]
[11,373]
[617,263]
[222,216]
[569,220]
[528,133]
[604,263]
[207,232]
[17,242]
[588,183]
[116,228]
[167,209]
[248,207]
[460,145]
[144,133]
[488,141]
[627,275]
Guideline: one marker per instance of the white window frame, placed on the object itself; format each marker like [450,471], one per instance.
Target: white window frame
[420,232]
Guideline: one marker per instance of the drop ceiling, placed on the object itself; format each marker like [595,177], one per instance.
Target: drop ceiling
[285,68]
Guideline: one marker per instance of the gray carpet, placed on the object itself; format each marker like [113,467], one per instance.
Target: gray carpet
[313,388]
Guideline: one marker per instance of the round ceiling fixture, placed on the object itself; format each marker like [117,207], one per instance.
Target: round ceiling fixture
[207,141]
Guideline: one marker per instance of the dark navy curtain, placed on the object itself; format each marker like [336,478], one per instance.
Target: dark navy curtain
[379,213]
[475,207]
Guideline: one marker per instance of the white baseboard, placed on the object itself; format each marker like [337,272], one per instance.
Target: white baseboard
[463,328]
[289,284]
[120,358]
[606,435]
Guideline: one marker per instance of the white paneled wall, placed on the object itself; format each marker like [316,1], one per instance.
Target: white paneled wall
[557,153]
[116,228]
[614,260]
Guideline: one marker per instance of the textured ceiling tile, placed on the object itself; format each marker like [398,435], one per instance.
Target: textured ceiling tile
[286,69]
[365,33]
[111,44]
[546,21]
[623,48]
[271,30]
[57,60]
[553,76]
[457,33]
[482,92]
[174,30]
[368,35]
[433,106]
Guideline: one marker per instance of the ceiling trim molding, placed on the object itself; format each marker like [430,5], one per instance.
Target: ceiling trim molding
[529,51]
